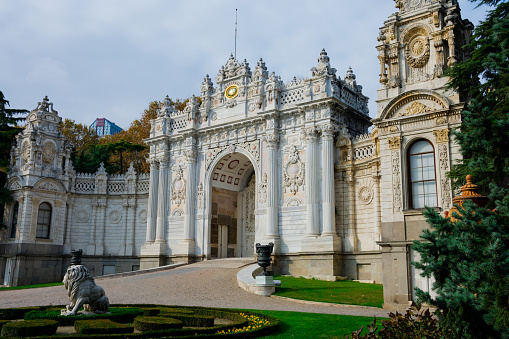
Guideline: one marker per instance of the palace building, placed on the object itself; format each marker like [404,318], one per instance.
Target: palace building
[300,164]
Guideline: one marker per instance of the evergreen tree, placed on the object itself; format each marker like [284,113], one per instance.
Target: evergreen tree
[469,256]
[9,127]
[484,77]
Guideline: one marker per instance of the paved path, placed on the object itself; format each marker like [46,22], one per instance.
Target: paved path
[210,283]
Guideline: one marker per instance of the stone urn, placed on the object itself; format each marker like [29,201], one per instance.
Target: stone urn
[263,256]
[76,257]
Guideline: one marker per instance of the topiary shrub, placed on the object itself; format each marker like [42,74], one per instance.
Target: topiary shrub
[151,312]
[16,313]
[101,326]
[117,314]
[29,328]
[156,323]
[191,320]
[2,323]
[173,310]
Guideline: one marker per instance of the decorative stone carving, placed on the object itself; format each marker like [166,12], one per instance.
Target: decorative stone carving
[442,135]
[178,186]
[396,182]
[417,51]
[15,185]
[262,191]
[142,216]
[200,196]
[415,108]
[365,195]
[48,153]
[444,168]
[83,291]
[115,216]
[323,67]
[48,186]
[81,216]
[294,202]
[293,172]
[252,147]
[394,142]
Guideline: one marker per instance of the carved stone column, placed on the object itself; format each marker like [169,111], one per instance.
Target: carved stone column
[161,200]
[313,220]
[352,222]
[152,201]
[190,158]
[272,186]
[376,192]
[328,194]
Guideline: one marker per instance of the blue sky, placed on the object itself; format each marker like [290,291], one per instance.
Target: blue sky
[110,58]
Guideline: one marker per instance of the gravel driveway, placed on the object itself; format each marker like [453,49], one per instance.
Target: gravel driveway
[210,283]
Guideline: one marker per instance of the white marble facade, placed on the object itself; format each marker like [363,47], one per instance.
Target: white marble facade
[260,160]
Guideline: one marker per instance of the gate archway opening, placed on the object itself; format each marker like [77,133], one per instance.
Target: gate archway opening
[233,200]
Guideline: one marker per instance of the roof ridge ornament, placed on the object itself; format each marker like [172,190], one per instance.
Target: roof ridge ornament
[323,67]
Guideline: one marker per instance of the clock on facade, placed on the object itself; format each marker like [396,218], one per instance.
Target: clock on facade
[231,91]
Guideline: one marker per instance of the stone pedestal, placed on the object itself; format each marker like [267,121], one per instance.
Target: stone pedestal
[324,243]
[264,286]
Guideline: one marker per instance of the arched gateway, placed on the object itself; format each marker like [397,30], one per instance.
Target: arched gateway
[254,161]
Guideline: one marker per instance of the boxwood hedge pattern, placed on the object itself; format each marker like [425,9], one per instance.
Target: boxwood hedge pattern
[29,328]
[197,321]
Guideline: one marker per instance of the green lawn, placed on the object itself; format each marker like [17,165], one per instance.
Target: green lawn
[30,286]
[316,325]
[337,292]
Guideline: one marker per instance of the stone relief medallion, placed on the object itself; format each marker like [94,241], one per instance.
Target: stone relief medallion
[115,216]
[159,127]
[366,195]
[178,186]
[142,216]
[48,153]
[294,202]
[293,172]
[81,216]
[417,51]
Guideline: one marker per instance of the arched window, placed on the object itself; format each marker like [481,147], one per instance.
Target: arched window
[43,221]
[423,184]
[14,223]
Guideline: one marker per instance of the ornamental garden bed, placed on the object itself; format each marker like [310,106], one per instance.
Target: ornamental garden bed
[136,321]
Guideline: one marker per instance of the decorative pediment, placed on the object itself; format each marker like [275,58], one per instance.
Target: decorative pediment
[15,184]
[49,185]
[414,102]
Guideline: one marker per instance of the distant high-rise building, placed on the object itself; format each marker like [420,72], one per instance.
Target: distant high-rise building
[103,126]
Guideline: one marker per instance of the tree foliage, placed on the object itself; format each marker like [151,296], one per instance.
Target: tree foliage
[9,119]
[484,77]
[469,257]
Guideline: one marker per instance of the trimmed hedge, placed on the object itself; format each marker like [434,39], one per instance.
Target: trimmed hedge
[156,323]
[191,320]
[101,326]
[172,310]
[120,315]
[29,328]
[17,313]
[2,323]
[241,326]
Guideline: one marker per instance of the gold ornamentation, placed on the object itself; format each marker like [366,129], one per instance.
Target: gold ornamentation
[231,91]
[442,135]
[394,142]
[417,52]
[415,108]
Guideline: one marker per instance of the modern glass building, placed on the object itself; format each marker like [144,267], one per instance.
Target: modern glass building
[103,126]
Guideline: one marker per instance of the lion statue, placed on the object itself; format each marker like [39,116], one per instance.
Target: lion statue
[83,291]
